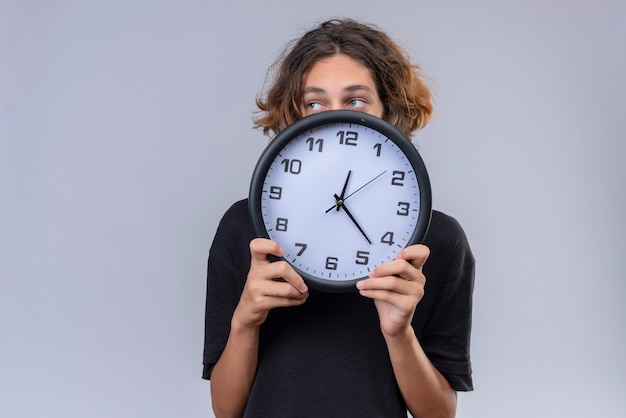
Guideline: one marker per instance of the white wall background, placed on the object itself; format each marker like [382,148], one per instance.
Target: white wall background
[125,134]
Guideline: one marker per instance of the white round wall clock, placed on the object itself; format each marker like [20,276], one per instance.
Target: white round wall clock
[341,191]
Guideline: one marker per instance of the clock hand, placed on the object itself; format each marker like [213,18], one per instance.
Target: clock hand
[343,191]
[346,198]
[341,204]
[340,201]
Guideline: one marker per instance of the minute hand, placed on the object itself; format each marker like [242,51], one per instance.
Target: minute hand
[346,198]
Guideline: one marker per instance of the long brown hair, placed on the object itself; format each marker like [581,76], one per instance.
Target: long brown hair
[402,85]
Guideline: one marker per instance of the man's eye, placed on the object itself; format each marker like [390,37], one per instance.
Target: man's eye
[356,103]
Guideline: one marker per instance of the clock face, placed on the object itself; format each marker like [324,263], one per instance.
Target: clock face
[341,192]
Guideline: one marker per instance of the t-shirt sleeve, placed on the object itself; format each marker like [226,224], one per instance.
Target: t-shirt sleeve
[446,336]
[218,308]
[227,267]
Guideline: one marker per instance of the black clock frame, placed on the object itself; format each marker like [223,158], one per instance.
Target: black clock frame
[325,118]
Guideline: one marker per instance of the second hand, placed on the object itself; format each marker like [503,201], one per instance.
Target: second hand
[346,198]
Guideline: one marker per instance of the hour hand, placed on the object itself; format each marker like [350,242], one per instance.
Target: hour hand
[341,204]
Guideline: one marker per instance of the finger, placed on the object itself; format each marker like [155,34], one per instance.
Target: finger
[393,284]
[260,248]
[401,293]
[283,271]
[416,254]
[273,302]
[406,303]
[399,268]
[261,296]
[402,304]
[283,290]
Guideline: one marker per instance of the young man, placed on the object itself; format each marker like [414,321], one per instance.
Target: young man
[401,340]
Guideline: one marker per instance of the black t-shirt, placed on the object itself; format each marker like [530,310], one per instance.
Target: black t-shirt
[328,357]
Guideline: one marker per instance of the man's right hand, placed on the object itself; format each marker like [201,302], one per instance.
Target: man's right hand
[269,285]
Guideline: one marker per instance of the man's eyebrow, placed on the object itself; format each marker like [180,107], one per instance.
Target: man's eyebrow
[351,88]
[357,87]
[314,89]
